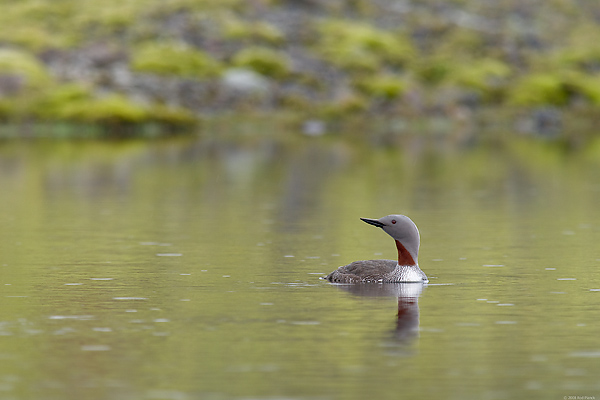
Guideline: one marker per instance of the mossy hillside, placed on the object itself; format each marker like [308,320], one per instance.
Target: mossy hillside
[29,90]
[318,56]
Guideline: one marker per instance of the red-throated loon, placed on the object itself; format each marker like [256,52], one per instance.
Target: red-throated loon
[406,269]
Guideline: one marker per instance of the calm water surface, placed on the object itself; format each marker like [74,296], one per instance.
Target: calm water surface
[189,269]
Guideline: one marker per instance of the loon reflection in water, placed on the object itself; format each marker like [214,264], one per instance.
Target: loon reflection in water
[407,323]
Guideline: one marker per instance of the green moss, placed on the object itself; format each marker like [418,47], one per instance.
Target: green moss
[26,66]
[458,43]
[582,49]
[356,46]
[173,59]
[171,115]
[539,89]
[263,60]
[383,86]
[590,88]
[581,56]
[556,88]
[487,77]
[30,79]
[35,38]
[37,25]
[203,5]
[114,108]
[295,102]
[253,31]
[76,102]
[584,85]
[109,17]
[350,103]
[113,19]
[432,71]
[64,102]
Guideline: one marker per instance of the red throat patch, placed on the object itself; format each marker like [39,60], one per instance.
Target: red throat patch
[404,257]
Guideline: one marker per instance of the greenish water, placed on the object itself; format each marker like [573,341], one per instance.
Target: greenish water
[189,269]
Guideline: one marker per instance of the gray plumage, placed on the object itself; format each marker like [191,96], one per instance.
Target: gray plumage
[363,271]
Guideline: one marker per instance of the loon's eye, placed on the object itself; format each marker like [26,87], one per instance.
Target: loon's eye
[393,221]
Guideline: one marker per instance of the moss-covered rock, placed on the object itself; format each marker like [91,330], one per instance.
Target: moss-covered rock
[169,115]
[579,84]
[486,77]
[112,108]
[22,79]
[356,46]
[63,102]
[36,38]
[173,59]
[539,89]
[349,103]
[32,72]
[38,25]
[265,61]
[432,70]
[76,102]
[582,50]
[250,31]
[385,87]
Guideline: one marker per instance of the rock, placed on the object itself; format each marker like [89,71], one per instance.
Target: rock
[313,127]
[244,81]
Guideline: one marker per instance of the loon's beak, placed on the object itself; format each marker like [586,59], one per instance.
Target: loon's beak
[374,222]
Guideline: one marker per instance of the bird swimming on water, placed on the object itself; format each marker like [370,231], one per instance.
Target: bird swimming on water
[406,269]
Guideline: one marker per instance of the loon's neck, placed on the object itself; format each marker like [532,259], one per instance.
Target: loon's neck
[404,256]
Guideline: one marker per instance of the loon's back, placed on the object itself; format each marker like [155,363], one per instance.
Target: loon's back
[363,271]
